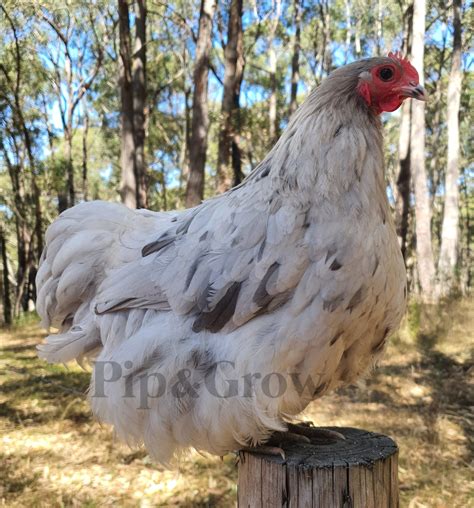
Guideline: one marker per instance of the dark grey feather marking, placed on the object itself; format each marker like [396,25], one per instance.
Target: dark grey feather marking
[67,321]
[191,272]
[283,168]
[202,360]
[141,302]
[261,296]
[203,236]
[376,265]
[157,245]
[333,304]
[320,389]
[174,219]
[265,172]
[217,318]
[182,229]
[355,300]
[261,249]
[338,130]
[330,253]
[103,307]
[336,338]
[380,345]
[335,265]
[203,300]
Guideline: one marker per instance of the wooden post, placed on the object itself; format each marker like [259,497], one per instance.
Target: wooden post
[360,472]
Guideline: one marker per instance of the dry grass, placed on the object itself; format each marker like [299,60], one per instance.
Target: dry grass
[54,454]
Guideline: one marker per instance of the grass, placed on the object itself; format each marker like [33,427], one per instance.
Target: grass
[53,453]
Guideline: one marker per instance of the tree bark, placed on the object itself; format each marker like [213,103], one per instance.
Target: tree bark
[424,249]
[128,186]
[379,37]
[234,66]
[184,155]
[200,120]
[7,304]
[348,12]
[402,197]
[85,132]
[360,472]
[450,228]
[273,128]
[139,101]
[295,60]
[71,191]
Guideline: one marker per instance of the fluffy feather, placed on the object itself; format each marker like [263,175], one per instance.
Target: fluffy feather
[293,279]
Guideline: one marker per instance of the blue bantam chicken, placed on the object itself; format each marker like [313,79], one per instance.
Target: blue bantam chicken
[213,327]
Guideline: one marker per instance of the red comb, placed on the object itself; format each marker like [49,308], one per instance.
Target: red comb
[405,63]
[398,56]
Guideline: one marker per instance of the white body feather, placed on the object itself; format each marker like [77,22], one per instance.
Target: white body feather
[294,275]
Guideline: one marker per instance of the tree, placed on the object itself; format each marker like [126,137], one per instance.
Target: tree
[234,68]
[128,185]
[295,60]
[402,191]
[200,120]
[72,77]
[139,101]
[424,248]
[402,201]
[23,176]
[450,228]
[7,306]
[61,112]
[273,129]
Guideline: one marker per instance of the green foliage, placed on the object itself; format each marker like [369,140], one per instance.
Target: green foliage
[332,33]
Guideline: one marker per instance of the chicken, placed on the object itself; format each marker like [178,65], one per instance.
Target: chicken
[215,326]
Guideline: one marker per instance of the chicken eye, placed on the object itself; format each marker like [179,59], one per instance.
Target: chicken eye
[386,74]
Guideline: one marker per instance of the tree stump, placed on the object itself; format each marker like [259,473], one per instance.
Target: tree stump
[360,472]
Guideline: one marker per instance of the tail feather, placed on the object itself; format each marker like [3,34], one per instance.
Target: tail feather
[76,343]
[82,246]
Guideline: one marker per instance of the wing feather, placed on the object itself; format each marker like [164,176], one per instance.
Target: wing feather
[222,264]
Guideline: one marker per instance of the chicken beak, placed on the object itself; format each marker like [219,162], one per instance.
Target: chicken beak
[414,92]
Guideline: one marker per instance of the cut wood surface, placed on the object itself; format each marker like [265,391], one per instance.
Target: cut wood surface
[360,472]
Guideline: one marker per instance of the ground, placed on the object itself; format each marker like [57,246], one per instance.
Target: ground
[53,453]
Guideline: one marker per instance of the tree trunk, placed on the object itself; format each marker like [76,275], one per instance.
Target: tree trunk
[184,156]
[71,192]
[139,101]
[326,54]
[128,186]
[23,250]
[295,60]
[424,249]
[85,132]
[379,27]
[402,196]
[234,65]
[347,5]
[200,120]
[450,228]
[7,304]
[273,127]
[360,472]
